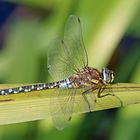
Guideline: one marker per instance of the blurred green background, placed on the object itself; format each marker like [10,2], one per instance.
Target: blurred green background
[111,32]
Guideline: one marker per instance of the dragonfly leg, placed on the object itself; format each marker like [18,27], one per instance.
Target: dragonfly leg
[99,95]
[101,89]
[85,98]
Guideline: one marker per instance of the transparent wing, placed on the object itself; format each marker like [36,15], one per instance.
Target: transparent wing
[84,103]
[68,55]
[64,104]
[74,41]
[61,108]
[60,66]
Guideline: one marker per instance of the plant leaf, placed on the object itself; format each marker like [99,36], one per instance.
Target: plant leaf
[35,105]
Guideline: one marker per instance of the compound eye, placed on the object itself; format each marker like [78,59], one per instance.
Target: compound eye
[112,76]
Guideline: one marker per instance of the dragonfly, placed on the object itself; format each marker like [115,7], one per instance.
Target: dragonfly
[67,64]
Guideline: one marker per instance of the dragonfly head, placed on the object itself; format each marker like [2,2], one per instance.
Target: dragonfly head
[107,75]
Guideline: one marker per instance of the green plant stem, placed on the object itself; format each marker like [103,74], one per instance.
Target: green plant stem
[35,105]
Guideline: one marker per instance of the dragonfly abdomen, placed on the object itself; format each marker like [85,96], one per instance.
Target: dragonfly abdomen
[37,87]
[24,89]
[65,84]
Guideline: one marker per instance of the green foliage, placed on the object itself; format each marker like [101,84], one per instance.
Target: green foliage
[104,24]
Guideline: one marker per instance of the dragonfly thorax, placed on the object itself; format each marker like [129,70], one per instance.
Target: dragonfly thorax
[87,76]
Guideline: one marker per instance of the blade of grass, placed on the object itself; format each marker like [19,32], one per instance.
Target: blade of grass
[112,27]
[35,105]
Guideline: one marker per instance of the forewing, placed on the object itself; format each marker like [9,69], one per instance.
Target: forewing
[67,56]
[74,42]
[58,62]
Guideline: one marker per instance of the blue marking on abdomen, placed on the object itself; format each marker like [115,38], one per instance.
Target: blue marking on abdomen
[66,84]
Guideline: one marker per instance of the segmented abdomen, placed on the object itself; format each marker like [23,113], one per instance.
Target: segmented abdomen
[37,87]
